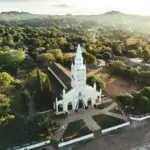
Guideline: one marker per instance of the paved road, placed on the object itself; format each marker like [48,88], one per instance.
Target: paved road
[125,139]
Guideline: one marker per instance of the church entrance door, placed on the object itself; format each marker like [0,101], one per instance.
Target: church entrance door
[70,106]
[80,104]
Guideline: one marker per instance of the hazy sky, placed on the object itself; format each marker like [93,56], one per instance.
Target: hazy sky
[76,6]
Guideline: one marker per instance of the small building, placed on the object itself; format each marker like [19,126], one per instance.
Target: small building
[40,49]
[80,95]
[101,62]
[136,60]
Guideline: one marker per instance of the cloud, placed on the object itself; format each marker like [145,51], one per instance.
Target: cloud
[62,6]
[28,1]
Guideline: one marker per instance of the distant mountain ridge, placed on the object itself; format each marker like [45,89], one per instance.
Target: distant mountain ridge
[111,18]
[15,13]
[113,12]
[15,16]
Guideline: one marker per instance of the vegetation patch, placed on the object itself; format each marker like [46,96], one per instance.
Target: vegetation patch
[92,79]
[106,121]
[15,133]
[104,105]
[137,103]
[60,116]
[76,129]
[137,74]
[20,131]
[116,110]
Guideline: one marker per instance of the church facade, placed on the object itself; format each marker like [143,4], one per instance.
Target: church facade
[80,95]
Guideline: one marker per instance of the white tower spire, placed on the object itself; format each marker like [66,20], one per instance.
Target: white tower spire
[78,71]
[79,51]
[78,57]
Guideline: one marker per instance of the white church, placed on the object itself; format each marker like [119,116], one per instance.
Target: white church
[81,95]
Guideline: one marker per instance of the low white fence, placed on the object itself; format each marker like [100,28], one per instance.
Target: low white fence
[35,145]
[115,127]
[76,140]
[139,118]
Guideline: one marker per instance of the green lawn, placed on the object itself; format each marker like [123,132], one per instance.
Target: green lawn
[14,133]
[104,105]
[60,116]
[106,121]
[76,129]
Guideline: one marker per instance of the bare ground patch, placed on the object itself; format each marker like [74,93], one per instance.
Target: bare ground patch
[115,85]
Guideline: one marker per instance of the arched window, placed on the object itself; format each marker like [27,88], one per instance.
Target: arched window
[60,107]
[70,106]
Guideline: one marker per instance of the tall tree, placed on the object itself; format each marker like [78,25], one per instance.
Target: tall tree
[47,94]
[36,77]
[47,84]
[92,79]
[39,81]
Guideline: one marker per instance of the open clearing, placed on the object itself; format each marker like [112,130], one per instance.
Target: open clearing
[114,85]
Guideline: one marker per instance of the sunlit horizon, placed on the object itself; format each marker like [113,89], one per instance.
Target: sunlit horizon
[76,7]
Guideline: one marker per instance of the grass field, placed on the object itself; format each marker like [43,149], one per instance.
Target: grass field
[76,129]
[106,121]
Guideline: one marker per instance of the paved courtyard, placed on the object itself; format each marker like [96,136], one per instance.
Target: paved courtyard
[86,115]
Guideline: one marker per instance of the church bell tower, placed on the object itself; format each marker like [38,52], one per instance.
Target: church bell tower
[78,71]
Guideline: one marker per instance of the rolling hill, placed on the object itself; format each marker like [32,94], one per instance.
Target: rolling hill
[112,18]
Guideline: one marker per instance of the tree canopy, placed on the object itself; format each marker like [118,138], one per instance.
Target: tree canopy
[57,54]
[44,59]
[33,78]
[93,79]
[5,109]
[137,102]
[41,90]
[8,57]
[7,81]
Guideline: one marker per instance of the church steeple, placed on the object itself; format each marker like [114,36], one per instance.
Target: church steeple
[79,52]
[78,71]
[78,57]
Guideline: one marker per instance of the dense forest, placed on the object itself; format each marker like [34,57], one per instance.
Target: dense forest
[26,46]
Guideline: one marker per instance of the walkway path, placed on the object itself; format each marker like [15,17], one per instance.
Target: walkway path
[59,133]
[86,115]
[91,124]
[113,105]
[82,114]
[106,100]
